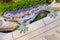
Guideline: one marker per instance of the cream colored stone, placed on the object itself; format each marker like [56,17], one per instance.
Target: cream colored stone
[32,27]
[50,32]
[2,35]
[55,6]
[48,20]
[21,38]
[42,30]
[8,37]
[51,37]
[17,34]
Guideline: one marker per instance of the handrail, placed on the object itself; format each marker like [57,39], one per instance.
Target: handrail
[54,1]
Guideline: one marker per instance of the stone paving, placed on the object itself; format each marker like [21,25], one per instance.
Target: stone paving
[43,29]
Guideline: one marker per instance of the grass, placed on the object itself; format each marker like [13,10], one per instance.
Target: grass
[20,5]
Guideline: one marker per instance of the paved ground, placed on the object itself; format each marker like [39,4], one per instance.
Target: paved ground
[44,29]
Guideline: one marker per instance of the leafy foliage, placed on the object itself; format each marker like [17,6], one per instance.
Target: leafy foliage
[20,5]
[58,1]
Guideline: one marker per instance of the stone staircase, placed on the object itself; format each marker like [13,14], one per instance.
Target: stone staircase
[38,30]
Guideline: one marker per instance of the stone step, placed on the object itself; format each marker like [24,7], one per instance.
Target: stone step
[40,27]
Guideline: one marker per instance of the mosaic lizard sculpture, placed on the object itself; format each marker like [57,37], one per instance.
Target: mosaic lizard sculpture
[26,16]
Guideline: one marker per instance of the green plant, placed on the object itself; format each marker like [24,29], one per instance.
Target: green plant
[58,1]
[6,1]
[20,5]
